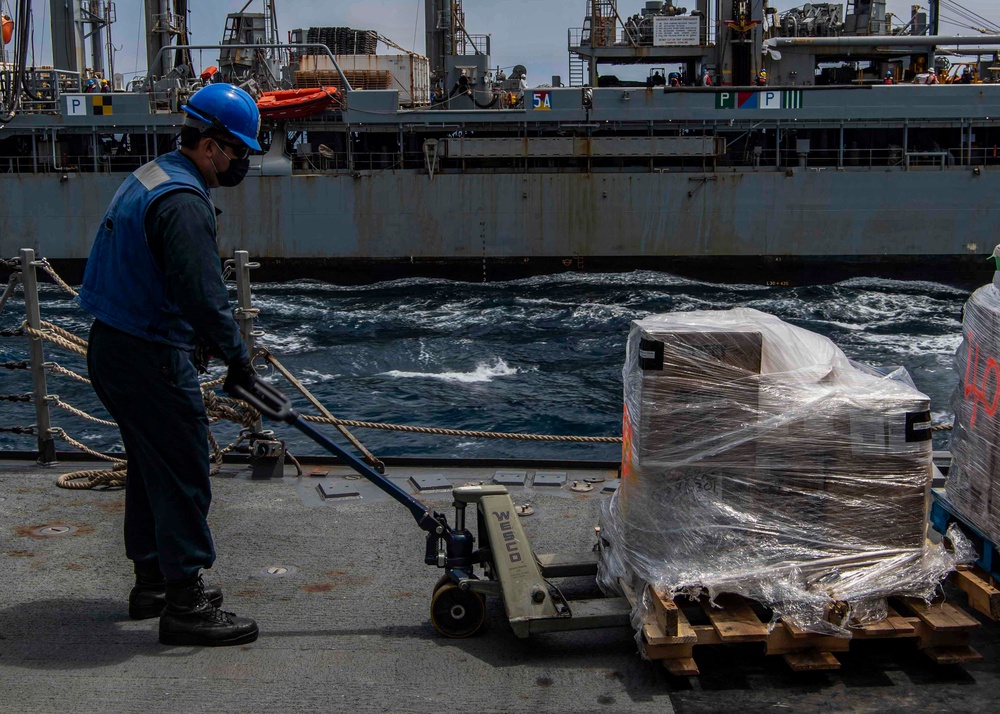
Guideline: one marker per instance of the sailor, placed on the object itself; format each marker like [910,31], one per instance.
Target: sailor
[888,78]
[932,77]
[706,78]
[463,86]
[762,78]
[91,86]
[154,286]
[675,79]
[105,86]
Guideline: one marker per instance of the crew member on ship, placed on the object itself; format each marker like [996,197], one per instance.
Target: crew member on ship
[888,78]
[762,78]
[154,286]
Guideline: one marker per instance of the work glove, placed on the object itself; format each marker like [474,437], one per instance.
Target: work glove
[240,374]
[201,356]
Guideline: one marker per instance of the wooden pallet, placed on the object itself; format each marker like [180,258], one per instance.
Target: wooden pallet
[940,630]
[983,591]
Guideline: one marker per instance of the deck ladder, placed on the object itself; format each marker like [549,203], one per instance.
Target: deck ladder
[577,70]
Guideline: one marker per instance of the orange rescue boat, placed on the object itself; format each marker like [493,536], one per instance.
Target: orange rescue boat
[295,103]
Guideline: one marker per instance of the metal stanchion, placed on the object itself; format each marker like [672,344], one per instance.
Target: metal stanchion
[29,279]
[244,308]
[267,454]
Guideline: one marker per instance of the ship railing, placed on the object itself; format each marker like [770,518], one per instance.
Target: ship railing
[318,48]
[310,160]
[44,87]
[927,158]
[95,152]
[46,157]
[313,161]
[478,44]
[631,36]
[848,157]
[26,270]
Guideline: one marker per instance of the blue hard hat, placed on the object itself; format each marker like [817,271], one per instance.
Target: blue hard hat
[91,83]
[228,109]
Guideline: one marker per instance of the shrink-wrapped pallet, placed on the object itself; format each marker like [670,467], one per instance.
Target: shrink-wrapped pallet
[973,485]
[759,460]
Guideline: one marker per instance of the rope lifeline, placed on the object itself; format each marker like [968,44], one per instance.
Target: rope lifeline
[79,412]
[459,432]
[57,368]
[44,265]
[57,336]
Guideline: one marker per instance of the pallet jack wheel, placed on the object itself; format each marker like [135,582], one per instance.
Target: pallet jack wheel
[455,612]
[442,581]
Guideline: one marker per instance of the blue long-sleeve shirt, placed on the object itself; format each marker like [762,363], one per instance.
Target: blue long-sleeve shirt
[181,233]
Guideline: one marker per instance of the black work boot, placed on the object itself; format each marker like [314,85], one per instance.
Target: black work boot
[149,595]
[190,619]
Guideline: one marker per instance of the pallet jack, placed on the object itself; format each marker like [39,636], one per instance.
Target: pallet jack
[509,568]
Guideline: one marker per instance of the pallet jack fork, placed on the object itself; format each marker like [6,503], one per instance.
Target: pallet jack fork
[510,569]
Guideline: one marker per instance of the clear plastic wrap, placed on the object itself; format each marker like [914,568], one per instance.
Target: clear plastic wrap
[973,484]
[759,460]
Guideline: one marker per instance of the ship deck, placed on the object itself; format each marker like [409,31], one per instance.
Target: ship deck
[346,627]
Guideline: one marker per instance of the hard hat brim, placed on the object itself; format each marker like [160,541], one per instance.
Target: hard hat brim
[212,121]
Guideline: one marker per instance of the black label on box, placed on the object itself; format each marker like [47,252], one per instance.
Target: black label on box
[650,354]
[918,426]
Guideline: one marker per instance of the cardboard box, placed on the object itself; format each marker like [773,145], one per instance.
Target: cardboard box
[694,392]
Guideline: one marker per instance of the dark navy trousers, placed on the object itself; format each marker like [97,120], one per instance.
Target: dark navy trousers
[151,391]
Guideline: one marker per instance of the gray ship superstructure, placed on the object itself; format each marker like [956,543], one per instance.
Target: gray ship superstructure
[443,166]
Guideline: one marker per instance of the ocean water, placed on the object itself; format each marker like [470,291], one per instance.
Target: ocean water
[540,355]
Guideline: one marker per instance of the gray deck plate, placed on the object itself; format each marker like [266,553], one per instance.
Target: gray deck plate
[510,478]
[338,489]
[431,482]
[549,478]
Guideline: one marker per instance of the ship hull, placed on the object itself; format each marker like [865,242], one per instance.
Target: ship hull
[789,226]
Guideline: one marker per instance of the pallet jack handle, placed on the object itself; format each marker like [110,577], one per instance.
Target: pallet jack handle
[272,403]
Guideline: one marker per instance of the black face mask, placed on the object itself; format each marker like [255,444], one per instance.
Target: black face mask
[234,175]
